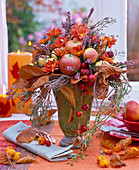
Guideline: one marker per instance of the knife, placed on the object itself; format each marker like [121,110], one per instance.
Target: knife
[108,129]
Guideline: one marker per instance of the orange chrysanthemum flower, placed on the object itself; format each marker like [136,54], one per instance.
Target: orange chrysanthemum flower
[79,31]
[110,40]
[60,51]
[60,42]
[105,57]
[54,32]
[50,66]
[78,50]
[45,40]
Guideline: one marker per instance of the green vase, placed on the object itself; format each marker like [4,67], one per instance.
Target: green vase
[68,121]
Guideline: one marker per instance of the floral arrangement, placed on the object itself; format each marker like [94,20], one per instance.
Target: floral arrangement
[80,55]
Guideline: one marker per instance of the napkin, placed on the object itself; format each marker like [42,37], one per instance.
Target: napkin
[53,153]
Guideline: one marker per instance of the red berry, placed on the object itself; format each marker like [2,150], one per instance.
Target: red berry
[78,131]
[82,86]
[84,128]
[110,54]
[48,143]
[85,92]
[85,107]
[85,72]
[79,113]
[91,79]
[83,65]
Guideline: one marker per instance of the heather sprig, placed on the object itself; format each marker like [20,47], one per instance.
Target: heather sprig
[125,64]
[86,39]
[87,19]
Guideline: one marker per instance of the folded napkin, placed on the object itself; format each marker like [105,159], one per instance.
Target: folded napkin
[53,153]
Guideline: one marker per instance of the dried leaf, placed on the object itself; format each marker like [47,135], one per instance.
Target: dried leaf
[75,81]
[108,69]
[28,72]
[129,154]
[3,158]
[125,142]
[69,94]
[27,135]
[20,84]
[71,118]
[25,160]
[39,82]
[115,162]
[107,144]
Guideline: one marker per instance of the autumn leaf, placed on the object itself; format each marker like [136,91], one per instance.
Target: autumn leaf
[4,108]
[3,158]
[28,72]
[15,71]
[27,136]
[125,142]
[26,159]
[69,95]
[107,144]
[75,81]
[115,162]
[71,117]
[20,84]
[39,82]
[129,154]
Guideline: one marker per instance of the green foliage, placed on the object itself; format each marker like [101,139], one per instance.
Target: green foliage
[20,21]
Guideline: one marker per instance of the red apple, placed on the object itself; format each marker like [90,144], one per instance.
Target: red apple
[82,86]
[79,113]
[70,44]
[90,53]
[78,131]
[84,128]
[83,65]
[69,63]
[132,111]
[91,79]
[84,107]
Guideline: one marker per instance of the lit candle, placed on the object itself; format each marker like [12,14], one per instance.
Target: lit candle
[5,105]
[15,61]
[29,43]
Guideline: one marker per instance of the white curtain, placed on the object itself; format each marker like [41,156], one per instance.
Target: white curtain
[3,46]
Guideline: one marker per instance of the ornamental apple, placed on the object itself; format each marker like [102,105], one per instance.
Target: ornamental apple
[90,53]
[70,44]
[132,111]
[91,79]
[69,63]
[79,113]
[41,61]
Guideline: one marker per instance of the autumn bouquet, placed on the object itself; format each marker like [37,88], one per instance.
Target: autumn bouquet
[76,63]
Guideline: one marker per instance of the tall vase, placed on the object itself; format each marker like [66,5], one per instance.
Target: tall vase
[68,121]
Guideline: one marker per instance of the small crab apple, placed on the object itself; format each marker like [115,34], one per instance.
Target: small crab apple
[42,140]
[83,65]
[91,79]
[79,113]
[117,147]
[78,131]
[17,156]
[100,157]
[48,143]
[82,86]
[104,163]
[85,92]
[110,54]
[84,107]
[86,72]
[108,151]
[84,128]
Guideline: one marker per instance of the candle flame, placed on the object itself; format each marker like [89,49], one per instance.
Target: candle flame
[18,52]
[4,89]
[29,43]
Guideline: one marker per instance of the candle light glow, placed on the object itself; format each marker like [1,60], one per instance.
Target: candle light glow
[29,43]
[18,52]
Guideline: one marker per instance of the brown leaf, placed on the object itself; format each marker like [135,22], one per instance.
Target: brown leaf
[27,135]
[69,95]
[115,162]
[25,160]
[20,84]
[125,142]
[75,81]
[39,82]
[71,118]
[129,154]
[108,69]
[28,72]
[3,158]
[107,144]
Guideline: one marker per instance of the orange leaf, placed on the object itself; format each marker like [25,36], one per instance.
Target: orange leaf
[28,72]
[27,136]
[3,158]
[20,84]
[26,159]
[75,81]
[107,144]
[115,162]
[69,95]
[125,142]
[71,118]
[39,82]
[129,154]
